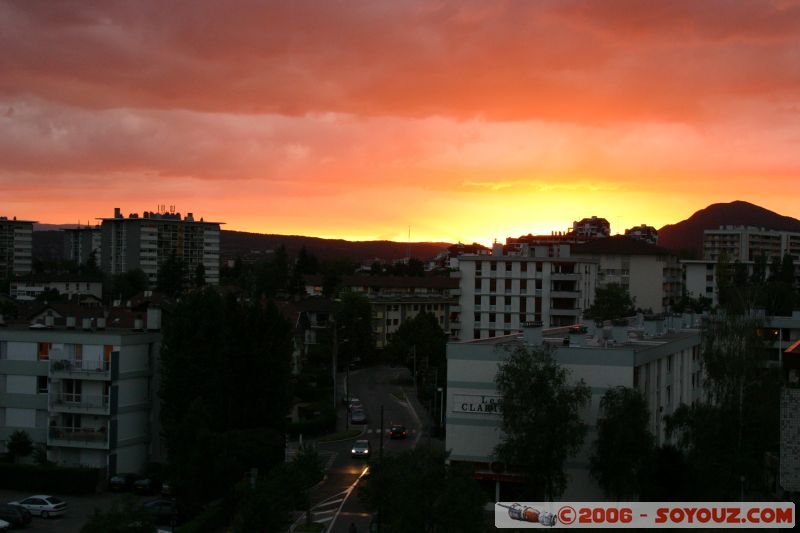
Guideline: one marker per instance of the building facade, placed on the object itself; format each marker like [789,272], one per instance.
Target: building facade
[32,287]
[644,233]
[146,242]
[652,356]
[652,275]
[16,247]
[745,244]
[497,294]
[81,243]
[86,391]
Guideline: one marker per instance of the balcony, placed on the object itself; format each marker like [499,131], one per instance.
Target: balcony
[93,438]
[90,404]
[565,294]
[80,369]
[564,276]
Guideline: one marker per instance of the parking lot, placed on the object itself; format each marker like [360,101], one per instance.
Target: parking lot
[80,509]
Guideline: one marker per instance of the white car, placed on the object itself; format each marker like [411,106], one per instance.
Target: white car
[44,506]
[4,526]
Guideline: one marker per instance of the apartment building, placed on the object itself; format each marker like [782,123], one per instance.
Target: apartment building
[644,233]
[593,227]
[497,294]
[146,242]
[34,286]
[393,299]
[80,243]
[84,385]
[659,358]
[745,244]
[16,247]
[652,275]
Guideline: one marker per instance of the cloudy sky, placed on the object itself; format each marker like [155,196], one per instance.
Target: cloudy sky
[466,120]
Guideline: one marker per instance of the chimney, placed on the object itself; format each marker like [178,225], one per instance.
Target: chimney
[153,318]
[70,322]
[497,249]
[101,323]
[49,321]
[86,324]
[532,333]
[117,213]
[138,324]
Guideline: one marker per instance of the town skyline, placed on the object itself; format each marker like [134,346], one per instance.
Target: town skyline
[466,121]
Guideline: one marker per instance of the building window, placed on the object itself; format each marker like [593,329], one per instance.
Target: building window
[41,384]
[523,267]
[669,394]
[492,317]
[477,283]
[492,285]
[477,317]
[508,285]
[538,266]
[476,334]
[492,300]
[523,284]
[493,266]
[44,351]
[538,284]
[3,350]
[477,300]
[507,319]
[669,364]
[508,267]
[508,300]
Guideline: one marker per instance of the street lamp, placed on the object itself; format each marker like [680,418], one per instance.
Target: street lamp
[441,409]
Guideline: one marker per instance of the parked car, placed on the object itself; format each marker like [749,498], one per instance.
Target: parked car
[147,485]
[16,515]
[44,506]
[123,482]
[358,416]
[398,432]
[361,448]
[163,511]
[4,526]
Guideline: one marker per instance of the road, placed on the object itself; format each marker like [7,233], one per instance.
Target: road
[338,504]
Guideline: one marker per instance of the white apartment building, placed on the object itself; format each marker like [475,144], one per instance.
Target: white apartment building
[643,232]
[86,390]
[651,274]
[31,287]
[658,358]
[80,243]
[146,242]
[497,294]
[745,244]
[16,247]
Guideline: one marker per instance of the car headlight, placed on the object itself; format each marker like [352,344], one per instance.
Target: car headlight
[353,450]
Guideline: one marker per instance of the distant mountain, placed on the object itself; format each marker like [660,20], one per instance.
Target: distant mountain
[233,243]
[688,234]
[48,244]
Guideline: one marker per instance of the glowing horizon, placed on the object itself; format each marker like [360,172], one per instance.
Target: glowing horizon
[467,121]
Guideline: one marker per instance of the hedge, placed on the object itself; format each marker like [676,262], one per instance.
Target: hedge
[212,519]
[48,479]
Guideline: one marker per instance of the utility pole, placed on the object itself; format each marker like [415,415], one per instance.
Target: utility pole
[414,372]
[335,355]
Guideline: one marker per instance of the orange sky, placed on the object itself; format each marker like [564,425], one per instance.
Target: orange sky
[467,120]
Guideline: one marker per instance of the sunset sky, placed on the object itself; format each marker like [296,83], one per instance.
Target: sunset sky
[466,120]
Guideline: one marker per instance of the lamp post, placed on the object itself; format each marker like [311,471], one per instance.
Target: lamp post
[441,409]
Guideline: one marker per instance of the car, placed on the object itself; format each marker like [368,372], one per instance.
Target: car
[42,505]
[361,448]
[351,402]
[358,416]
[123,482]
[15,515]
[163,511]
[398,432]
[148,485]
[166,489]
[4,526]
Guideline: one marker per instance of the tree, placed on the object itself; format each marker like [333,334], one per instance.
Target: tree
[225,369]
[19,445]
[91,268]
[200,276]
[125,516]
[171,275]
[127,284]
[353,314]
[611,301]
[726,436]
[416,491]
[307,262]
[541,419]
[425,336]
[624,444]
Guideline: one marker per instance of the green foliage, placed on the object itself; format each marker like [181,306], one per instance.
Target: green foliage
[40,455]
[214,518]
[541,419]
[727,436]
[306,262]
[687,304]
[624,444]
[128,284]
[354,327]
[48,479]
[171,276]
[776,293]
[19,444]
[610,302]
[124,516]
[224,396]
[200,276]
[416,491]
[425,336]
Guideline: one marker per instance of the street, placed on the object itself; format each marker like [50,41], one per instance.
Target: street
[337,501]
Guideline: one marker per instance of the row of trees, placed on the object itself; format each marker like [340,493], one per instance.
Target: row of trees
[721,442]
